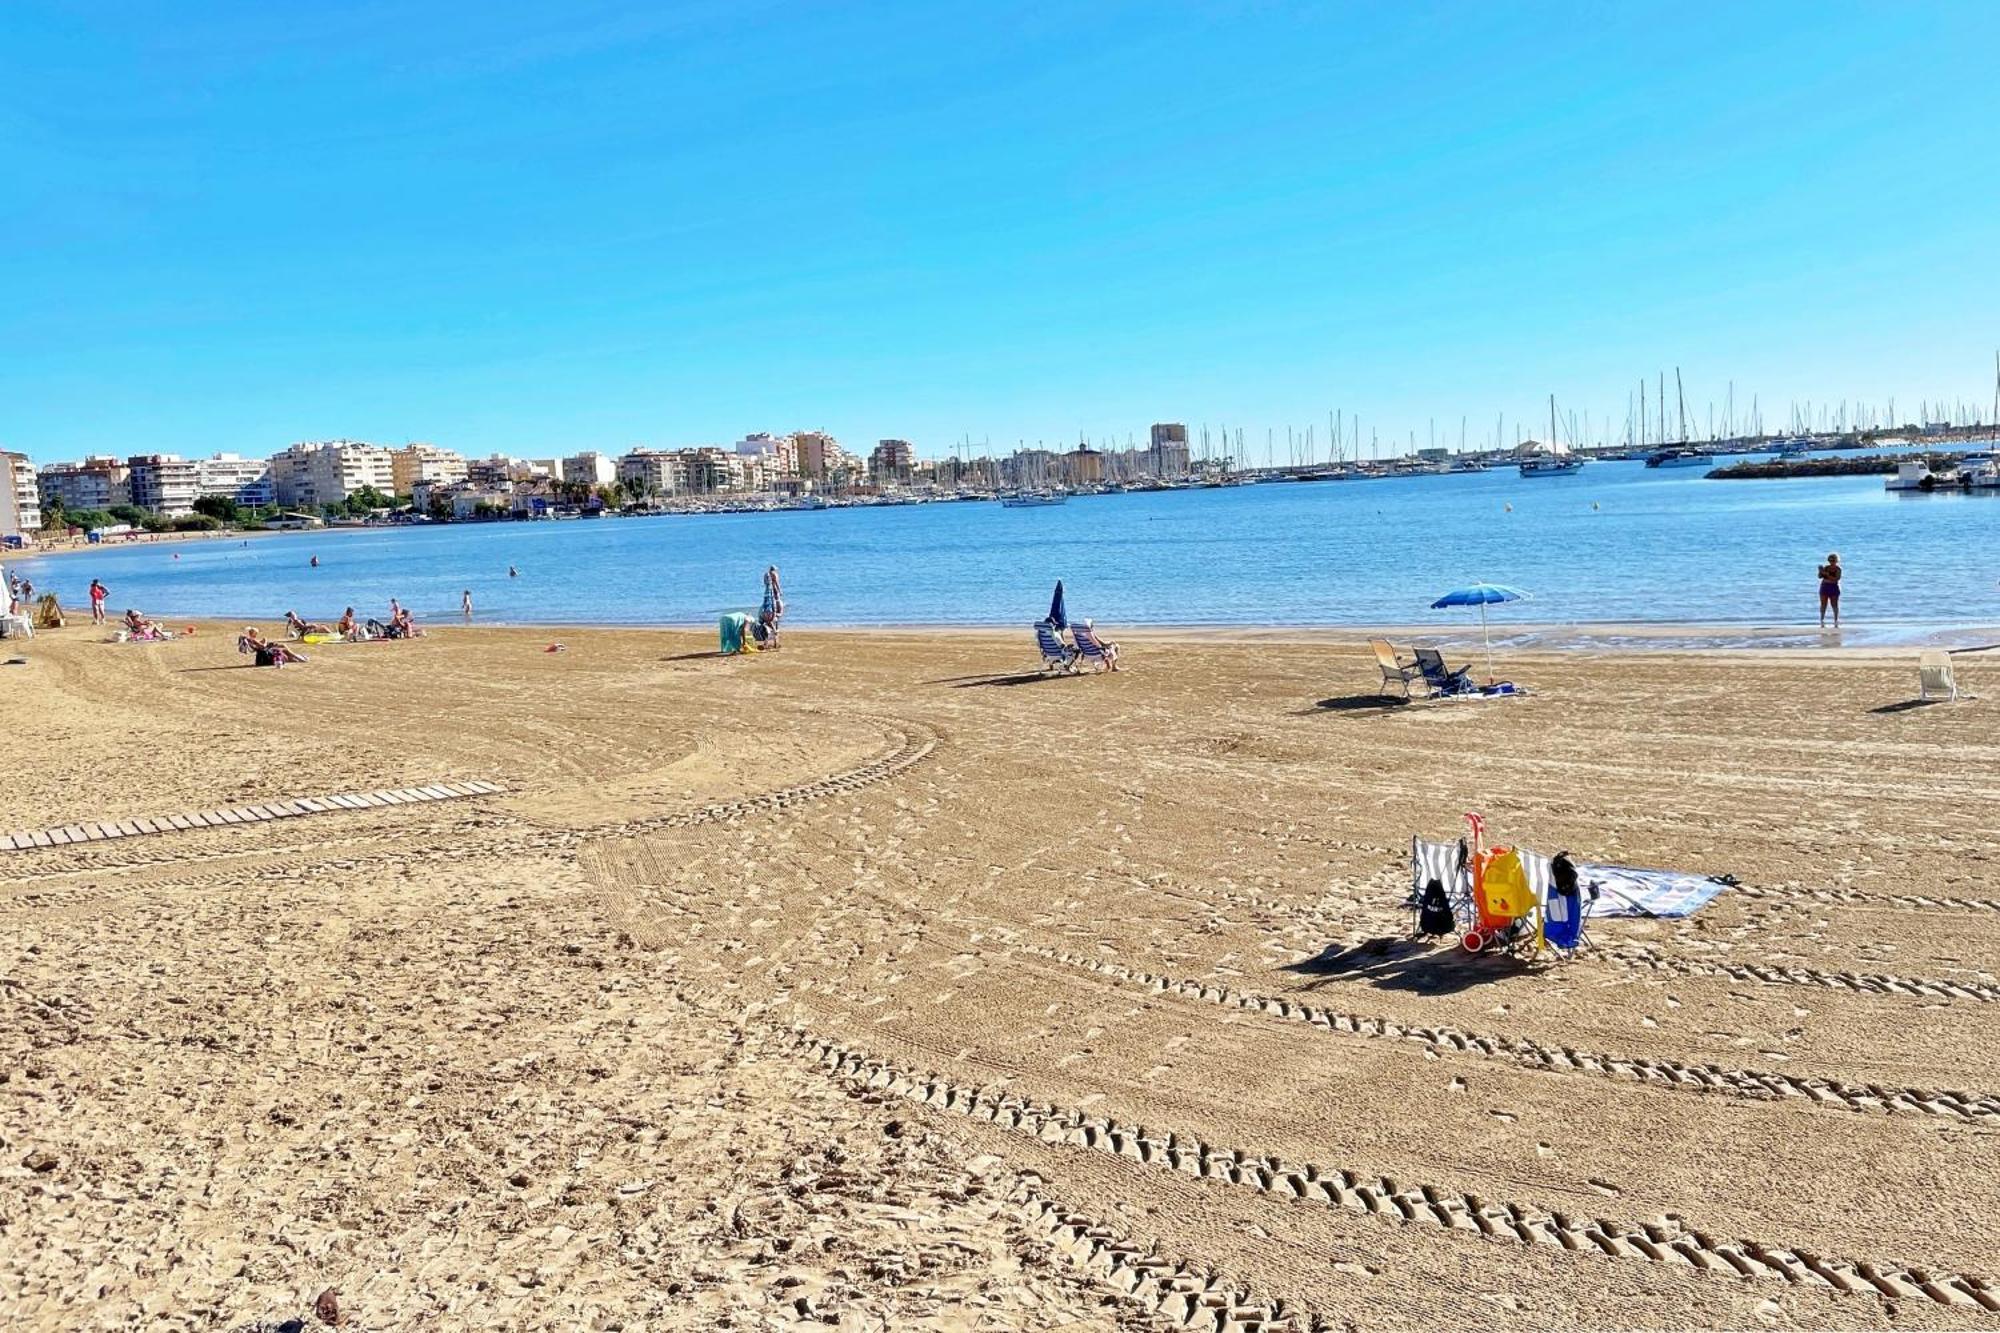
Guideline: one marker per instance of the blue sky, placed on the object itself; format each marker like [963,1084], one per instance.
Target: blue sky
[541,228]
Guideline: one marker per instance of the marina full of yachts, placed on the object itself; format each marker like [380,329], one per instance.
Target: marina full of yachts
[1974,471]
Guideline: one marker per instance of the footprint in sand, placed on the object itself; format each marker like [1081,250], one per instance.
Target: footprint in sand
[1504,1117]
[1457,1084]
[1544,1150]
[1604,1187]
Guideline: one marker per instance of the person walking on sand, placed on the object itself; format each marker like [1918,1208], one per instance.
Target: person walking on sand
[465,601]
[1829,589]
[98,592]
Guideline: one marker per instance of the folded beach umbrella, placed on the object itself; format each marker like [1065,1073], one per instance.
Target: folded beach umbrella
[1481,595]
[1058,617]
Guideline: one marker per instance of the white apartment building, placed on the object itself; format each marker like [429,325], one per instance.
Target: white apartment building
[590,467]
[424,462]
[20,496]
[661,470]
[311,474]
[165,484]
[98,482]
[779,452]
[244,480]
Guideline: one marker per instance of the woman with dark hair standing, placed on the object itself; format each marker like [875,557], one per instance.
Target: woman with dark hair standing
[1829,590]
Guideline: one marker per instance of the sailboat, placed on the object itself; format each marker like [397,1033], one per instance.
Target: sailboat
[1558,461]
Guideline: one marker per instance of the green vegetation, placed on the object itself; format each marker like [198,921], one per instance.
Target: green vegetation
[221,508]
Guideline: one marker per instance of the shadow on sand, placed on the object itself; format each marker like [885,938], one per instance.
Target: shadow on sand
[1422,967]
[703,657]
[1906,705]
[234,666]
[1360,703]
[1025,678]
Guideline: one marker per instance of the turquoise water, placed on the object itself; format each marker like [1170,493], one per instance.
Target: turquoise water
[1613,543]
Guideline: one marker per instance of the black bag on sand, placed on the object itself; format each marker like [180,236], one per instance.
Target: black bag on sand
[1434,911]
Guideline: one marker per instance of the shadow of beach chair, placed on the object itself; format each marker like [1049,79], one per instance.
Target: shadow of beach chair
[1056,655]
[1394,669]
[1442,680]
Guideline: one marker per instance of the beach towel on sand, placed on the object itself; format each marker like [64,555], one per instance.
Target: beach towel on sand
[1624,891]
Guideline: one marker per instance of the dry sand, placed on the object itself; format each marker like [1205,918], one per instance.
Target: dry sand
[870,984]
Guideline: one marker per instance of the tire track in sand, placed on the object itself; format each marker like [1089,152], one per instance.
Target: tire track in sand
[1425,1206]
[1527,1053]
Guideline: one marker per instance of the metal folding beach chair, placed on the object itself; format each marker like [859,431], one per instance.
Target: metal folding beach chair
[1395,671]
[1440,887]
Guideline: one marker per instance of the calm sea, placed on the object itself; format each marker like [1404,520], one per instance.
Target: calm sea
[1614,543]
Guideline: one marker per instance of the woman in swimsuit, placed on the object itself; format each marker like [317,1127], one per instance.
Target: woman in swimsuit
[1829,590]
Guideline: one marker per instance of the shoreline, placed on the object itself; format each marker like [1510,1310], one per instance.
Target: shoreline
[1609,640]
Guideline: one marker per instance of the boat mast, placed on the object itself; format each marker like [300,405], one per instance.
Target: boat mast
[1681,397]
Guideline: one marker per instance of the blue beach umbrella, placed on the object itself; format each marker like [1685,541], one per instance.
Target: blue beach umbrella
[1058,617]
[1481,595]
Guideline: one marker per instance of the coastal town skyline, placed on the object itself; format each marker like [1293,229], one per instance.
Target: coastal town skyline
[514,235]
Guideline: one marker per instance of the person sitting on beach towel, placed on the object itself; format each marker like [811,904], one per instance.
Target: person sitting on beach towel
[350,630]
[297,628]
[266,652]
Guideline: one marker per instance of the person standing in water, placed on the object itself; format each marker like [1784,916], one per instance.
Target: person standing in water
[465,601]
[1829,589]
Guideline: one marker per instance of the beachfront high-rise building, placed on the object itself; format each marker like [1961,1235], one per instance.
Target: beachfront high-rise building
[247,481]
[423,462]
[326,472]
[20,496]
[98,482]
[590,468]
[652,472]
[814,452]
[164,484]
[891,463]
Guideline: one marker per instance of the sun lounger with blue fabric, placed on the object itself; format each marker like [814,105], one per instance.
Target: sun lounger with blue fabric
[1440,679]
[1090,648]
[1056,655]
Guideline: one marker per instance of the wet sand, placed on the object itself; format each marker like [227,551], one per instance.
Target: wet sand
[877,983]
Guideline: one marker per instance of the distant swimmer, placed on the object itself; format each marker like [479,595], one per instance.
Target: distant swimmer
[315,562]
[465,601]
[513,573]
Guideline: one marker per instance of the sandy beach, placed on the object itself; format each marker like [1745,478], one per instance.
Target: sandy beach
[878,984]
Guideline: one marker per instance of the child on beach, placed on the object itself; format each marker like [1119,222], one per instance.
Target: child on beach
[1829,589]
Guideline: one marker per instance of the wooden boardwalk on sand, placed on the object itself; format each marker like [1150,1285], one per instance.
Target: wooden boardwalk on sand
[100,831]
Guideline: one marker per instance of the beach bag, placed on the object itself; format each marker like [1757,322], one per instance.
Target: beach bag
[1434,911]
